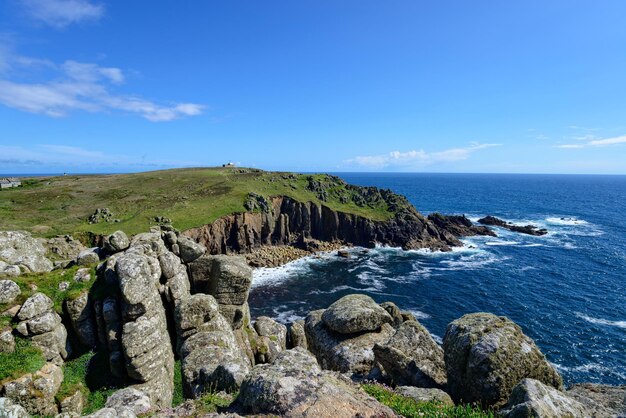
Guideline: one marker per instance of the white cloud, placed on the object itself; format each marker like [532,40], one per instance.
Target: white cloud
[60,13]
[591,141]
[417,158]
[82,86]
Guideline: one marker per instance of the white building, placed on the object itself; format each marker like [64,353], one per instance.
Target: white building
[9,182]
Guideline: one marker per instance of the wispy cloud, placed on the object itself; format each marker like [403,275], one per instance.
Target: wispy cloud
[74,85]
[592,141]
[61,13]
[417,158]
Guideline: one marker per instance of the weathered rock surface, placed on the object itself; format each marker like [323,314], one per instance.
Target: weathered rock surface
[525,229]
[273,339]
[82,275]
[20,249]
[487,355]
[9,291]
[602,401]
[88,257]
[7,341]
[80,312]
[425,394]
[355,313]
[227,278]
[11,409]
[532,399]
[72,406]
[459,226]
[64,247]
[129,400]
[189,249]
[346,353]
[411,357]
[9,270]
[35,392]
[116,242]
[297,335]
[295,386]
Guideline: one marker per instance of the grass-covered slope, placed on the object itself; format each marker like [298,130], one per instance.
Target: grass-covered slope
[189,197]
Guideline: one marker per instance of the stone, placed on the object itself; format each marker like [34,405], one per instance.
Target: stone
[7,341]
[345,353]
[88,257]
[532,399]
[63,286]
[82,275]
[19,248]
[297,335]
[8,270]
[9,291]
[425,394]
[227,278]
[35,392]
[64,247]
[148,243]
[355,313]
[273,335]
[53,344]
[487,355]
[34,306]
[129,399]
[73,404]
[12,311]
[116,242]
[395,312]
[189,249]
[10,409]
[412,358]
[194,314]
[44,323]
[80,312]
[602,401]
[295,386]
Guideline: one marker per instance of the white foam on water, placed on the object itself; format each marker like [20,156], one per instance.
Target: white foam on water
[600,321]
[595,368]
[342,288]
[533,245]
[368,279]
[501,243]
[566,220]
[437,338]
[285,317]
[419,314]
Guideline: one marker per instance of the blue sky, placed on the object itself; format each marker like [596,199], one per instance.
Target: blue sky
[456,86]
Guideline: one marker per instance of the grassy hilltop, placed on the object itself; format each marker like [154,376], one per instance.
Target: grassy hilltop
[189,197]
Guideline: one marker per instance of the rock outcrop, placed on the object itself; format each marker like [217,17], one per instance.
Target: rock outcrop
[425,394]
[19,251]
[355,313]
[411,357]
[602,401]
[35,392]
[116,242]
[487,355]
[525,229]
[295,386]
[81,315]
[532,399]
[64,247]
[272,339]
[11,409]
[459,225]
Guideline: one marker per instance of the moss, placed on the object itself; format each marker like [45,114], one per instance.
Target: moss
[25,359]
[410,408]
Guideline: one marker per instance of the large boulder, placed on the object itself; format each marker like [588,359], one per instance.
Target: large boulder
[7,341]
[273,338]
[189,249]
[532,399]
[295,386]
[487,355]
[411,357]
[80,312]
[20,249]
[64,247]
[602,401]
[35,392]
[425,394]
[9,291]
[227,278]
[355,313]
[346,353]
[116,242]
[88,256]
[10,409]
[129,400]
[297,335]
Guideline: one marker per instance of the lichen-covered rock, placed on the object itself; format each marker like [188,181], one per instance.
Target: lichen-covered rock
[295,386]
[532,399]
[35,392]
[9,291]
[297,335]
[19,248]
[273,337]
[10,409]
[82,275]
[88,257]
[177,285]
[346,353]
[73,404]
[189,249]
[487,355]
[395,312]
[355,313]
[116,242]
[9,270]
[80,312]
[34,306]
[601,401]
[195,314]
[7,341]
[227,278]
[129,399]
[64,247]
[411,357]
[425,394]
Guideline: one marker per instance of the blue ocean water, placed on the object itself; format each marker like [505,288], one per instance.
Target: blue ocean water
[565,289]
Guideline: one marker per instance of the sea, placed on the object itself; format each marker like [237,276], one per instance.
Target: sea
[565,289]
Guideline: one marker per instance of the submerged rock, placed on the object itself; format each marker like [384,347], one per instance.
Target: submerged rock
[532,399]
[355,313]
[487,355]
[295,386]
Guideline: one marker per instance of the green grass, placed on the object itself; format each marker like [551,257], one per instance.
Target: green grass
[215,401]
[178,397]
[190,197]
[48,283]
[410,408]
[25,359]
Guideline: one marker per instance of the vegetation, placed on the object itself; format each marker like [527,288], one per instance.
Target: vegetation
[178,396]
[25,359]
[189,197]
[214,401]
[410,408]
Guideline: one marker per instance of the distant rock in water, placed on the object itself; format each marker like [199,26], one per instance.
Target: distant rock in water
[459,225]
[526,229]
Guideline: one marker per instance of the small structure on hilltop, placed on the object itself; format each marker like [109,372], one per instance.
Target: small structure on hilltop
[229,164]
[9,182]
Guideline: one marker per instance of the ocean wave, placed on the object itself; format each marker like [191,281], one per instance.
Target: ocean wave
[594,368]
[501,243]
[419,314]
[337,289]
[566,220]
[600,321]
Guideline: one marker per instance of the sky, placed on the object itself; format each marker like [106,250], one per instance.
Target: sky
[98,86]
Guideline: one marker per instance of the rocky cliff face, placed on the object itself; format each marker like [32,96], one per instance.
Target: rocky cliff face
[287,221]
